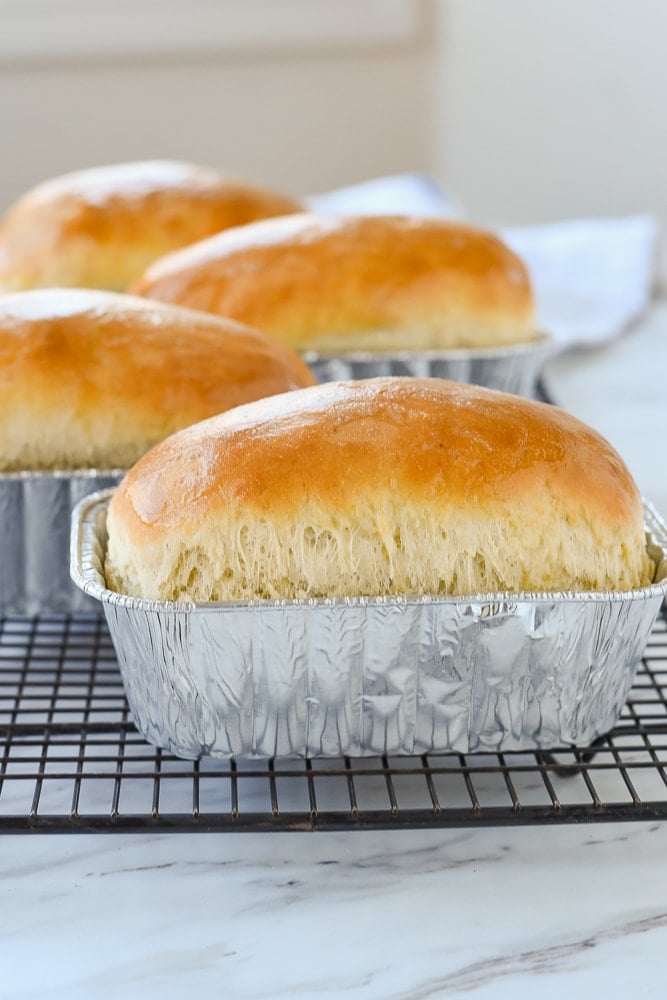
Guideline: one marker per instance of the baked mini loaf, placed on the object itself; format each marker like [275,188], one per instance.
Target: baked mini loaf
[380,487]
[93,379]
[356,284]
[101,228]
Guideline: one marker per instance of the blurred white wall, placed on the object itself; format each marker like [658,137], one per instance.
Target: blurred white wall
[300,115]
[551,109]
[527,110]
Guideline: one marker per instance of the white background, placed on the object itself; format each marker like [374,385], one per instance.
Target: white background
[527,110]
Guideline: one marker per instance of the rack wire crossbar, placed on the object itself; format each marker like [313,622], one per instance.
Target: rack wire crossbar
[71,761]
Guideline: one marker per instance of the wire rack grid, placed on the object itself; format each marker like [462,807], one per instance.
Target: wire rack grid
[71,760]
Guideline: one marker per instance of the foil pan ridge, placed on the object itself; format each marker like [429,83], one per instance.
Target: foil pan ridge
[512,368]
[35,509]
[370,676]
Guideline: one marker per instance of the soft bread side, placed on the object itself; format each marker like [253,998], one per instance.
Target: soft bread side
[357,284]
[93,379]
[381,487]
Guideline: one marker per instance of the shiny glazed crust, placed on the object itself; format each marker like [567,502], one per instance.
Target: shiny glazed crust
[93,379]
[355,284]
[101,228]
[387,486]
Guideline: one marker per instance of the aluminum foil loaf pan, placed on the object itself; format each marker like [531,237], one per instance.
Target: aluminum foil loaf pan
[514,368]
[35,522]
[367,676]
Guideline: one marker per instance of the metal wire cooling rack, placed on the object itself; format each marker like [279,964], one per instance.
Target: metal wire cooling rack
[71,760]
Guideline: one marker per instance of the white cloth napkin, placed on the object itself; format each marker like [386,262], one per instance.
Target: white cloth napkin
[400,194]
[592,277]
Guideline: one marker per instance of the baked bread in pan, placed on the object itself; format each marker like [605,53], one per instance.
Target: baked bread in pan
[388,486]
[92,379]
[100,228]
[335,286]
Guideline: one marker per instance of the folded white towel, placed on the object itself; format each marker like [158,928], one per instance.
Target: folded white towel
[592,277]
[401,194]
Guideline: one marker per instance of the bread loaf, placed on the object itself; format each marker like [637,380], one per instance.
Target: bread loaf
[357,284]
[93,379]
[100,228]
[381,487]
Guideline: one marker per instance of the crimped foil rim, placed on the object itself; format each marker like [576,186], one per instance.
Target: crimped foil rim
[87,527]
[543,343]
[84,473]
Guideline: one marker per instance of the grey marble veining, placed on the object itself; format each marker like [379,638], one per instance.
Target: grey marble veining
[381,916]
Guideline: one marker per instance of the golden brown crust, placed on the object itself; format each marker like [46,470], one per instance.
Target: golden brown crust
[339,442]
[92,377]
[355,284]
[397,468]
[101,228]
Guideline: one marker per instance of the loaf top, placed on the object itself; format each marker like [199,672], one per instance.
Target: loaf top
[388,486]
[93,379]
[100,228]
[356,284]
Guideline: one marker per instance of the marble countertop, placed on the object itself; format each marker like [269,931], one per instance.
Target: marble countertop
[517,912]
[520,912]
